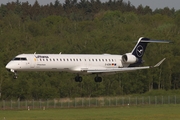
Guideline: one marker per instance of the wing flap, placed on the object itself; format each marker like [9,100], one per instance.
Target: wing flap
[116,69]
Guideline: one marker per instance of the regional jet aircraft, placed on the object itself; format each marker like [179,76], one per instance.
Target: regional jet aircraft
[84,63]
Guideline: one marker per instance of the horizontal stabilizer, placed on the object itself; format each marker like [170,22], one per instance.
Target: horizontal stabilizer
[159,63]
[156,41]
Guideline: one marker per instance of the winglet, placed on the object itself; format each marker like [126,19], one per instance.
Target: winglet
[159,63]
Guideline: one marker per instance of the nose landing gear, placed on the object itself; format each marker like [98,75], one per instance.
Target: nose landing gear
[15,73]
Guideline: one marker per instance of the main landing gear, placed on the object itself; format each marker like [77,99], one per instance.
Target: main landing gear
[96,79]
[78,78]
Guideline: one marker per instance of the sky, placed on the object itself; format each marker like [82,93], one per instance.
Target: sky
[153,4]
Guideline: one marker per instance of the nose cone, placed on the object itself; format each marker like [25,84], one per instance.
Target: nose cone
[8,66]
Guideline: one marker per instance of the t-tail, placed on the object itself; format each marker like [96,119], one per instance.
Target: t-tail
[135,57]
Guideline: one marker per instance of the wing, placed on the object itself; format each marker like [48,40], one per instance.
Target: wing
[127,69]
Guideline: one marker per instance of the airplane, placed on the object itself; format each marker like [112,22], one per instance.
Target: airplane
[84,63]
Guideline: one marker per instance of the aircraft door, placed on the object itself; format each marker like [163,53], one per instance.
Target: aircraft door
[32,60]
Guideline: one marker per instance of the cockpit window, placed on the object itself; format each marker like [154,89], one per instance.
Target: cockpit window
[23,59]
[19,58]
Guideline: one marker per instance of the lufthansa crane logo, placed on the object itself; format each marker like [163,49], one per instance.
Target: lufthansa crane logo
[139,51]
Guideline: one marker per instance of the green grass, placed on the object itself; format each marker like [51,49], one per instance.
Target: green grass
[147,112]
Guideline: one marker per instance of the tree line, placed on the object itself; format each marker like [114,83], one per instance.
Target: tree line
[74,10]
[87,27]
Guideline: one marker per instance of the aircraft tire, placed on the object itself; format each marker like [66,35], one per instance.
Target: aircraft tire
[15,77]
[98,79]
[78,79]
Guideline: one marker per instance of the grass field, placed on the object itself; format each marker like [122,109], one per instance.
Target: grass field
[147,112]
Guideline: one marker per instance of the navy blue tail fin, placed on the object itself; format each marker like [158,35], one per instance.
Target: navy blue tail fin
[135,57]
[141,45]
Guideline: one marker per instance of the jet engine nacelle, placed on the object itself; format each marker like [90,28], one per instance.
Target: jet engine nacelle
[129,58]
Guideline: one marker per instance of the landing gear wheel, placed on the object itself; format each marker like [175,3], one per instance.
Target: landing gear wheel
[98,79]
[15,75]
[78,79]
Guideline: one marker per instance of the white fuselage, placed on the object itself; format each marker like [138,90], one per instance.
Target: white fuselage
[65,62]
[84,63]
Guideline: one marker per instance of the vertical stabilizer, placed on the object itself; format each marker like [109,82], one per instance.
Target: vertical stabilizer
[135,57]
[140,47]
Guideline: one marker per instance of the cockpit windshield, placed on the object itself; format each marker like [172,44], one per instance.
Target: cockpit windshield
[20,59]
